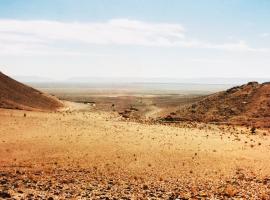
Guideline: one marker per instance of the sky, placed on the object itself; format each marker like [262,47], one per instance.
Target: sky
[61,39]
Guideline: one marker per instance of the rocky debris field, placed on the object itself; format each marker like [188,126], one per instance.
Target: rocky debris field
[22,183]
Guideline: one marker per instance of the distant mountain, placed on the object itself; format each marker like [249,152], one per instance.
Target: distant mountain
[117,80]
[15,95]
[33,79]
[214,80]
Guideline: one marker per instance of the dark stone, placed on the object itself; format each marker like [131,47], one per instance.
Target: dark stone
[5,195]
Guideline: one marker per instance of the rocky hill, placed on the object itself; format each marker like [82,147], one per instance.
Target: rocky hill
[15,95]
[248,104]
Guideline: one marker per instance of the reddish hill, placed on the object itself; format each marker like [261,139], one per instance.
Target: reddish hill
[15,95]
[248,104]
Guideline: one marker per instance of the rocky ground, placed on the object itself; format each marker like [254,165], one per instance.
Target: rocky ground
[23,183]
[97,155]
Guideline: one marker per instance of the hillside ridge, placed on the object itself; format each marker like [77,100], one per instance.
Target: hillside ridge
[15,95]
[248,104]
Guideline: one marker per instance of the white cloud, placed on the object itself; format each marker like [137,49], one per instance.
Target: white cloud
[54,37]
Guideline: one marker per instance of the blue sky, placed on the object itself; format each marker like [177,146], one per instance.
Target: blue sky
[124,38]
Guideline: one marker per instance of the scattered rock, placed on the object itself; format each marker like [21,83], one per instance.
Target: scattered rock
[4,195]
[230,191]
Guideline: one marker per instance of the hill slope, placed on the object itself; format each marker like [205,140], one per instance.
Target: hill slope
[248,104]
[15,95]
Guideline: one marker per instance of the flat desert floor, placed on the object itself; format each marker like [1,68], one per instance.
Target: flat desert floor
[86,154]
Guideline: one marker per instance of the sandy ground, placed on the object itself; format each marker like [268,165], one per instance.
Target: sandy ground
[82,154]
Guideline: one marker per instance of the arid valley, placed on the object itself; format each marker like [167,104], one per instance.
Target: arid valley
[123,145]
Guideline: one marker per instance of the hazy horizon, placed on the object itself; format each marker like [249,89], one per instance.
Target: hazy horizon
[169,80]
[136,85]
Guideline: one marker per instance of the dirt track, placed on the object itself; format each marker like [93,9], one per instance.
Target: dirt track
[96,155]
